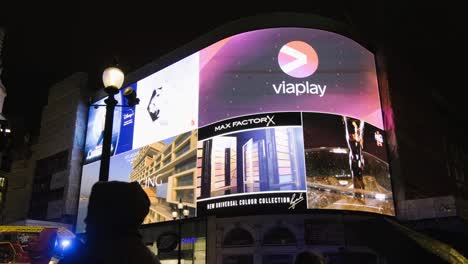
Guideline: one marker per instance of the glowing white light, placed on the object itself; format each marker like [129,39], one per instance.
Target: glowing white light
[113,77]
[380,196]
[174,214]
[343,182]
[339,150]
[186,212]
[65,243]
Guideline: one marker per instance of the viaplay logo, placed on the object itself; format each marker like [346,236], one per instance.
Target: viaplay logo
[298,59]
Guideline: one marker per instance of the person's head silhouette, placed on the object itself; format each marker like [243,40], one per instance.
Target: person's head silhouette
[115,212]
[307,257]
[116,208]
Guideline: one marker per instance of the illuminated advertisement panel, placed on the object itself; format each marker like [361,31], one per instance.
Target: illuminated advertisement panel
[165,169]
[347,165]
[95,130]
[168,107]
[311,73]
[288,69]
[168,103]
[281,118]
[254,161]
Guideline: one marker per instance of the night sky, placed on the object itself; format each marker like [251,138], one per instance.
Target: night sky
[45,44]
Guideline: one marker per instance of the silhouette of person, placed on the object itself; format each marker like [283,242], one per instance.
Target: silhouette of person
[115,211]
[307,257]
[153,105]
[354,138]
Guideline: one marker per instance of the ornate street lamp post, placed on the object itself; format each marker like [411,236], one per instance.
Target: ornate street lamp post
[113,79]
[182,211]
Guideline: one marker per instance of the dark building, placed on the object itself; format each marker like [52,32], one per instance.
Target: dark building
[44,184]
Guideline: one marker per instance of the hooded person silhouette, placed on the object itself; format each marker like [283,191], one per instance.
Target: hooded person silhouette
[115,211]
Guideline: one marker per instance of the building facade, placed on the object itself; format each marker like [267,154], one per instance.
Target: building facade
[45,186]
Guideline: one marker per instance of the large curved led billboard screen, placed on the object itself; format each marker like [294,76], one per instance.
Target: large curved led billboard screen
[271,119]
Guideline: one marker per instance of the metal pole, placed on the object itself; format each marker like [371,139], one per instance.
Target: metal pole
[107,141]
[193,251]
[180,243]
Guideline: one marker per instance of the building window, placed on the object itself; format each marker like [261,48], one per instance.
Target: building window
[238,237]
[182,138]
[186,165]
[183,149]
[167,160]
[168,151]
[185,195]
[278,236]
[186,180]
[41,193]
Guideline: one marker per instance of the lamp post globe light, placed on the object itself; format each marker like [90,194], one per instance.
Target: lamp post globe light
[113,79]
[175,215]
[181,211]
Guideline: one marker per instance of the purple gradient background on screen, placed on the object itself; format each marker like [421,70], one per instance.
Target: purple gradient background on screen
[236,77]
